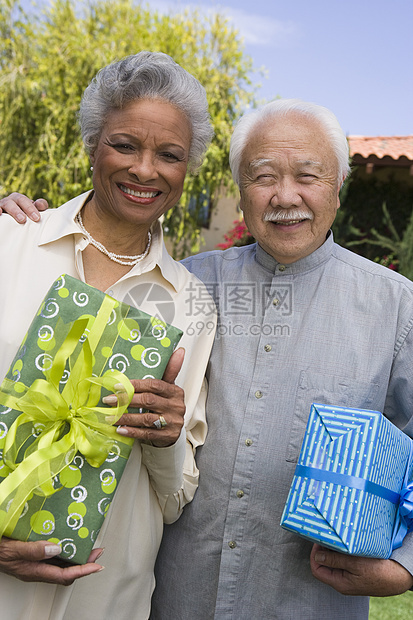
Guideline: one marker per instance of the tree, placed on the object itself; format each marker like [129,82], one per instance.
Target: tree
[47,59]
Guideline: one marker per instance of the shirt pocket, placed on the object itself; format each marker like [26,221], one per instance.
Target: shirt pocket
[327,390]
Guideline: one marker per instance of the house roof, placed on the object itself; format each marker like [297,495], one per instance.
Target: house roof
[394,147]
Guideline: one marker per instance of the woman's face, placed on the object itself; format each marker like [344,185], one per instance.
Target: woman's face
[140,162]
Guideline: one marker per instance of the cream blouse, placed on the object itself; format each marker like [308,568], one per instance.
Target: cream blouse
[157,482]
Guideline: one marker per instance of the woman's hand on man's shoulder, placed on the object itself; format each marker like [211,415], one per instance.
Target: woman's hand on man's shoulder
[20,207]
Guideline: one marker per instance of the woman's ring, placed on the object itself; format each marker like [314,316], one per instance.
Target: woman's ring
[160,423]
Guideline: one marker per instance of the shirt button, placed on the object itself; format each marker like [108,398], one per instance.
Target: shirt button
[275,301]
[267,348]
[281,267]
[240,493]
[258,394]
[248,442]
[232,544]
[111,293]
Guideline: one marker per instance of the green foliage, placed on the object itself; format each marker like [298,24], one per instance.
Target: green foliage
[399,246]
[48,58]
[361,211]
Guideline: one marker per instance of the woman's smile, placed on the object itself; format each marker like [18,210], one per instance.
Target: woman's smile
[143,195]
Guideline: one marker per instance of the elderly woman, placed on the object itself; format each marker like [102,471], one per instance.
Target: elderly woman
[144,120]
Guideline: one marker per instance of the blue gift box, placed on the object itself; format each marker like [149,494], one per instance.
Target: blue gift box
[350,490]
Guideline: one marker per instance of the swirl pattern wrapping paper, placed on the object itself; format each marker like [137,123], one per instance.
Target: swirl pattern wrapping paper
[79,346]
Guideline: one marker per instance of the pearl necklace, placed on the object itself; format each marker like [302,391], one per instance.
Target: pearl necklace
[122,259]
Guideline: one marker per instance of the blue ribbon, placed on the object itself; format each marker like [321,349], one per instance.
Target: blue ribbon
[403,500]
[354,482]
[404,517]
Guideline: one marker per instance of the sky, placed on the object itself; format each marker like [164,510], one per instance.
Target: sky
[352,56]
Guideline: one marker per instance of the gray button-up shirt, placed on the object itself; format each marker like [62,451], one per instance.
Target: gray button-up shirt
[331,328]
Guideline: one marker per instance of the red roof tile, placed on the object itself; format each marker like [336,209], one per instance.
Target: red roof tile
[382,146]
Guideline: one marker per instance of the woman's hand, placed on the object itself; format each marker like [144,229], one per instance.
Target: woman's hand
[19,206]
[26,561]
[164,406]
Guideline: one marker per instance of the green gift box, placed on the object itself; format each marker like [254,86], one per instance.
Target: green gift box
[60,456]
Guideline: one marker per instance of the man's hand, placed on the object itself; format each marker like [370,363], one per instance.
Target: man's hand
[19,206]
[159,400]
[357,576]
[25,561]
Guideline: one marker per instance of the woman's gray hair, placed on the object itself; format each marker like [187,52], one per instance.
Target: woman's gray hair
[146,75]
[281,108]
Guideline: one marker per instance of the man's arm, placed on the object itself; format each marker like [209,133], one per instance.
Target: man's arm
[357,576]
[19,206]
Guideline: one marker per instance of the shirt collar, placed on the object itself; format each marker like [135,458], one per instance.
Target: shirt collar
[55,228]
[319,256]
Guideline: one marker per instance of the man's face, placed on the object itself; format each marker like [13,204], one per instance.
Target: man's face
[289,186]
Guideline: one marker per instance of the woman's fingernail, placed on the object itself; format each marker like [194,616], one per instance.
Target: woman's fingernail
[320,558]
[122,430]
[51,550]
[20,217]
[35,216]
[110,400]
[119,387]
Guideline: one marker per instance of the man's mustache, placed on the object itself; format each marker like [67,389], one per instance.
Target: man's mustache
[286,215]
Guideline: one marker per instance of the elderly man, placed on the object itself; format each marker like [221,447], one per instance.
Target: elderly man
[302,320]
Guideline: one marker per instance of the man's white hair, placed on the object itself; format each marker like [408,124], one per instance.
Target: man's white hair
[280,108]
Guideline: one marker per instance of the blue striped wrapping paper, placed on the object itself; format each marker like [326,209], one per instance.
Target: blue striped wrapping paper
[354,515]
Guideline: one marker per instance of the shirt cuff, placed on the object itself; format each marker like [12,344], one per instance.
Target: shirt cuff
[165,465]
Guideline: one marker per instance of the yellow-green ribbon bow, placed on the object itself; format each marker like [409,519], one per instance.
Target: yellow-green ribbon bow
[69,421]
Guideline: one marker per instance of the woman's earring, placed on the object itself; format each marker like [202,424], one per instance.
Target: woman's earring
[91,167]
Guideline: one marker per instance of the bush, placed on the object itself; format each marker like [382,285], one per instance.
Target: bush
[237,236]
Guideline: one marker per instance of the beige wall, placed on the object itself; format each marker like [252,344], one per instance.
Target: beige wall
[222,220]
[385,173]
